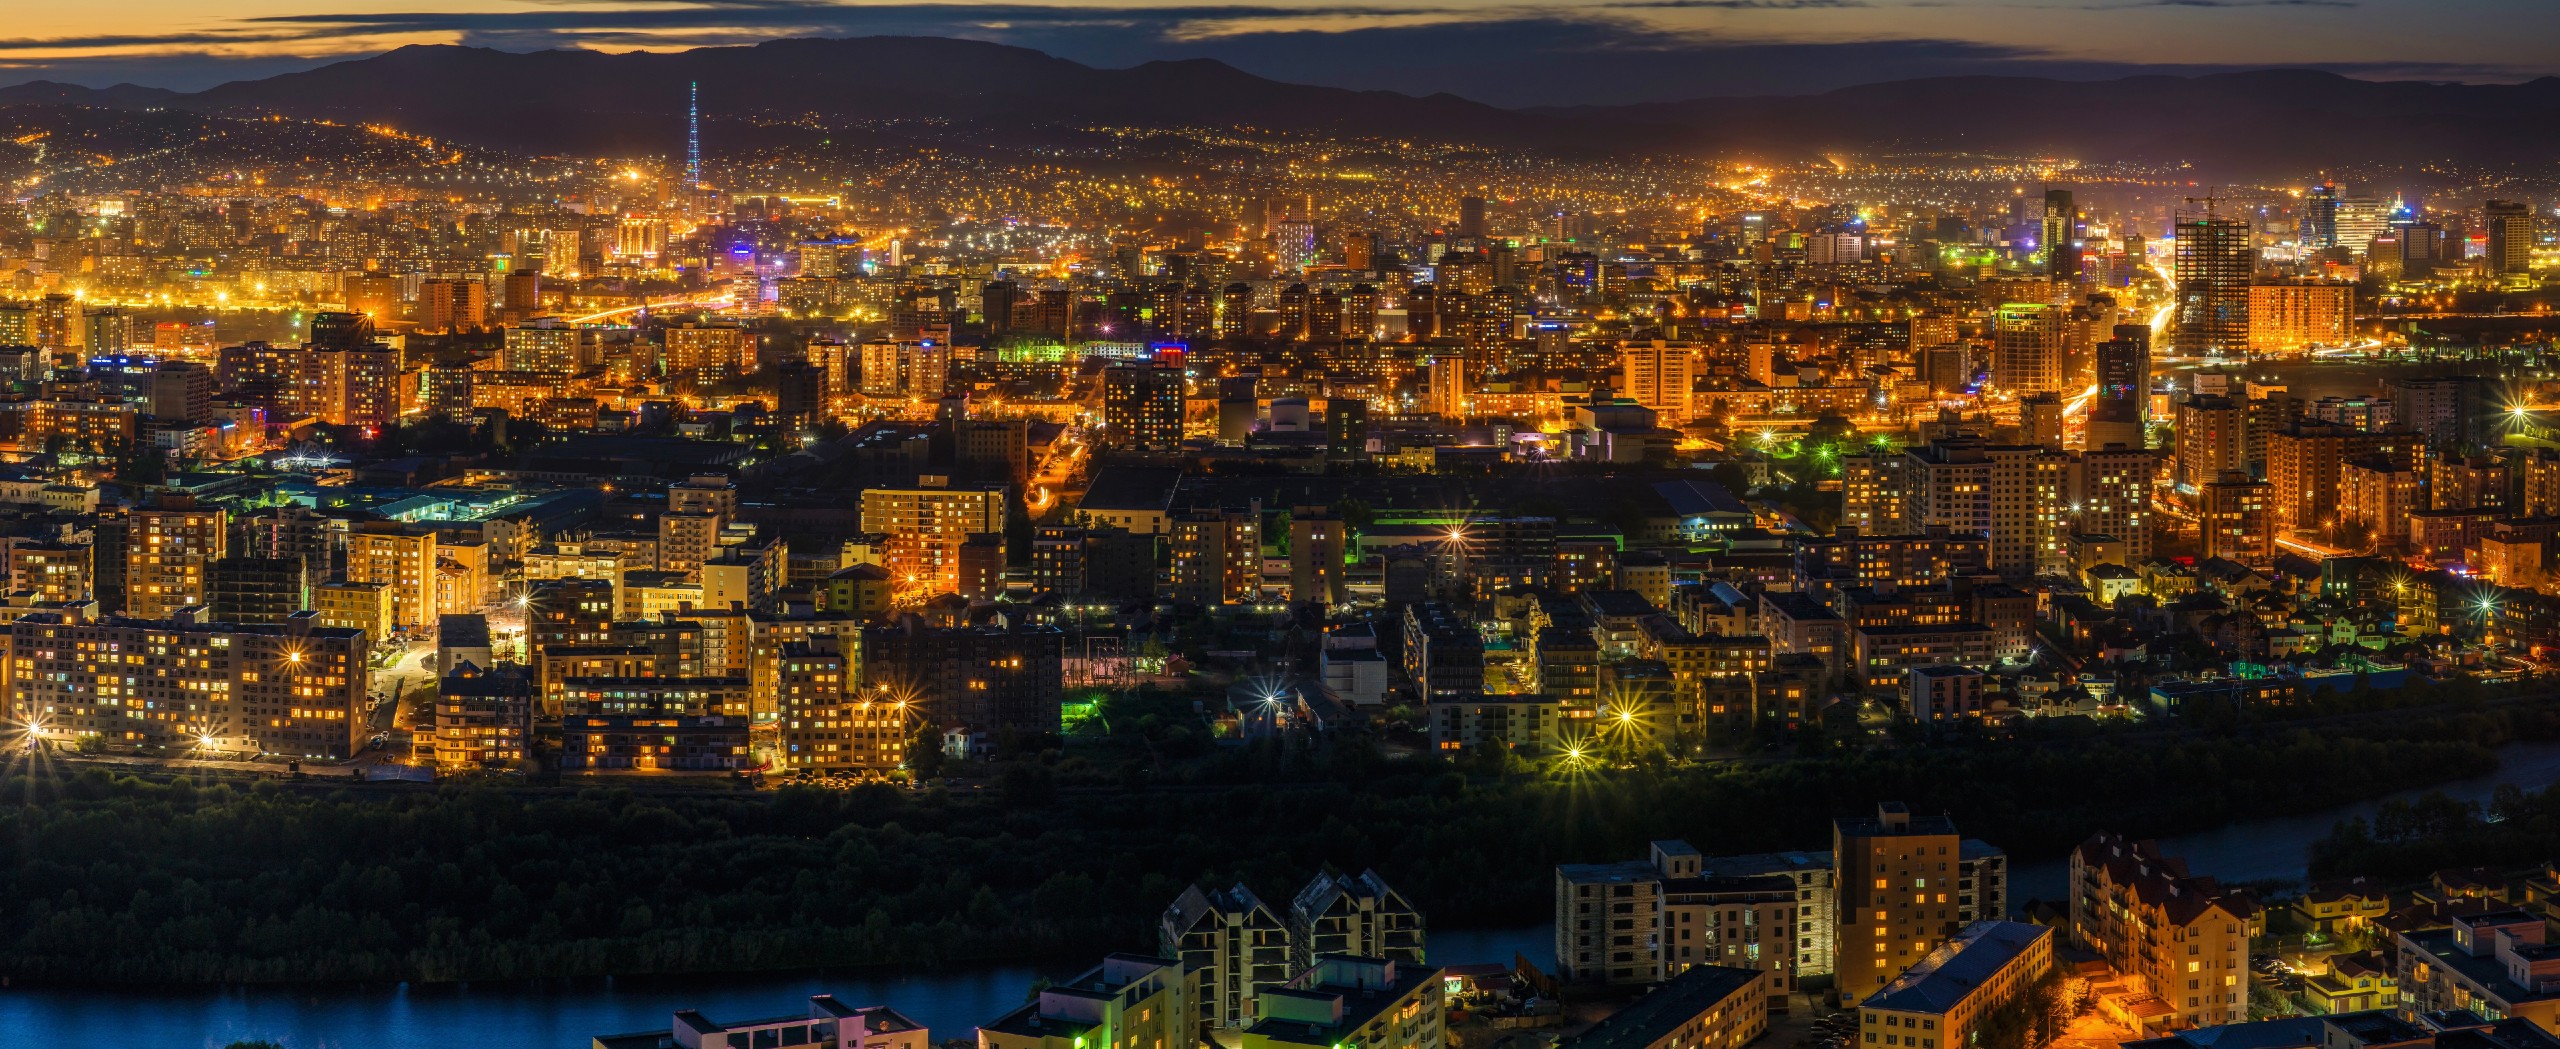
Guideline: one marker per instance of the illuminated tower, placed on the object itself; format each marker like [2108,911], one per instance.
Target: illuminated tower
[693,136]
[2214,261]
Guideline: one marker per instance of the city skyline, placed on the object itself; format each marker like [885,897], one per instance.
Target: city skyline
[1500,53]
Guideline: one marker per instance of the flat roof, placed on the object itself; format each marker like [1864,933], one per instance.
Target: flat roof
[1958,967]
[1666,1009]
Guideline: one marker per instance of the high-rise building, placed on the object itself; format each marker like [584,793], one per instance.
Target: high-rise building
[2214,260]
[1471,217]
[2028,350]
[828,725]
[2290,318]
[1231,945]
[2060,240]
[709,354]
[2303,469]
[1317,541]
[2012,493]
[1216,557]
[2510,236]
[926,528]
[182,391]
[52,572]
[2040,420]
[1641,921]
[2233,516]
[2320,216]
[2122,408]
[484,715]
[1905,884]
[2358,220]
[401,557]
[2450,411]
[2111,495]
[1872,493]
[1142,406]
[1295,245]
[1659,375]
[1448,385]
[546,344]
[453,304]
[255,589]
[2212,440]
[170,545]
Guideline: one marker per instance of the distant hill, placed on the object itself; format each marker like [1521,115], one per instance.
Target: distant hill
[587,103]
[2265,122]
[54,93]
[591,103]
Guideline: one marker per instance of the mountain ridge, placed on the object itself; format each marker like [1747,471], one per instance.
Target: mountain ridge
[2282,121]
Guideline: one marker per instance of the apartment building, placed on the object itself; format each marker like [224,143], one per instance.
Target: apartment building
[1349,1002]
[828,726]
[1703,1007]
[827,1024]
[1906,884]
[1939,1002]
[2181,938]
[1129,1001]
[1642,921]
[1357,916]
[295,688]
[2499,965]
[1231,945]
[170,548]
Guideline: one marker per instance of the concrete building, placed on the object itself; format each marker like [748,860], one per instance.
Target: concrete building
[827,725]
[1641,921]
[1906,884]
[1216,557]
[2180,938]
[1351,1002]
[170,548]
[1127,1001]
[484,715]
[1339,914]
[2499,965]
[1231,945]
[653,743]
[1703,1007]
[1527,724]
[1939,694]
[829,1024]
[1939,1002]
[402,558]
[927,525]
[295,689]
[2292,318]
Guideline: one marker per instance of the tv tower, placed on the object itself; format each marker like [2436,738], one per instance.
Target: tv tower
[693,135]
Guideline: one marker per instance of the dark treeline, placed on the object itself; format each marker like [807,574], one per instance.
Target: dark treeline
[124,880]
[2407,840]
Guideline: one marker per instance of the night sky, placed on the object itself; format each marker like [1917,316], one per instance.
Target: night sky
[1503,53]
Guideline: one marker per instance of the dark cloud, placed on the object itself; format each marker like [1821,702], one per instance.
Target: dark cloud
[2237,3]
[1598,53]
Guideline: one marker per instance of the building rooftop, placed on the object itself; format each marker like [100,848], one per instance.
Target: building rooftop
[1958,967]
[1666,1008]
[1340,995]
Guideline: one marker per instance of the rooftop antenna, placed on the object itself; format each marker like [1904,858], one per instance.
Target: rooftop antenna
[693,135]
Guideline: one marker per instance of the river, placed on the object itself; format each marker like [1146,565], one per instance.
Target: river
[565,1014]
